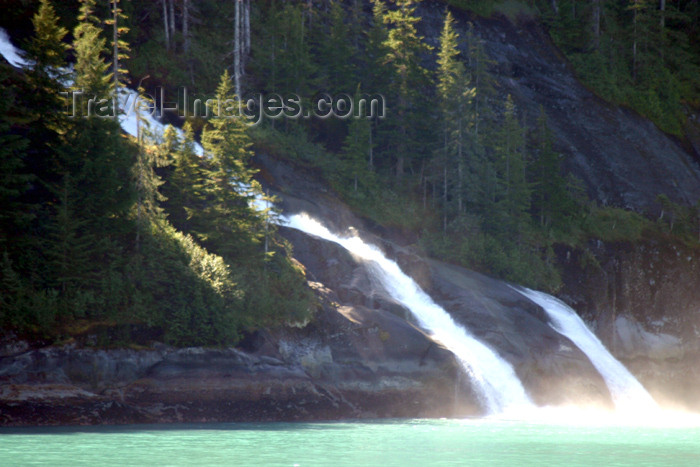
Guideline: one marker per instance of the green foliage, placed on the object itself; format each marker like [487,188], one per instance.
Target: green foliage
[513,191]
[680,221]
[642,57]
[90,70]
[179,286]
[281,57]
[98,227]
[455,96]
[529,262]
[514,9]
[357,150]
[278,293]
[339,52]
[480,7]
[120,47]
[46,50]
[630,52]
[406,133]
[551,201]
[14,178]
[185,179]
[614,224]
[83,229]
[224,219]
[22,307]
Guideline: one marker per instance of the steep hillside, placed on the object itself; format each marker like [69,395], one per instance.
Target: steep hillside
[469,185]
[624,159]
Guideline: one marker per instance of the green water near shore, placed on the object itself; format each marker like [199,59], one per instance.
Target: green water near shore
[379,443]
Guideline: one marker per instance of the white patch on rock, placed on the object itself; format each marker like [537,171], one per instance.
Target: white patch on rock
[632,340]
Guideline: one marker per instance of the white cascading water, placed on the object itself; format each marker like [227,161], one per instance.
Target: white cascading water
[499,387]
[9,51]
[495,379]
[627,393]
[129,100]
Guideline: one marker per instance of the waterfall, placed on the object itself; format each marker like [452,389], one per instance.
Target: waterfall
[627,393]
[9,51]
[128,98]
[494,379]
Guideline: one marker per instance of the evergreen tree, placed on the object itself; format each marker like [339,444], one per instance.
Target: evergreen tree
[282,53]
[227,222]
[374,77]
[46,51]
[15,179]
[484,83]
[69,249]
[99,161]
[405,48]
[454,96]
[510,160]
[550,199]
[120,48]
[338,52]
[357,149]
[185,182]
[91,74]
[147,181]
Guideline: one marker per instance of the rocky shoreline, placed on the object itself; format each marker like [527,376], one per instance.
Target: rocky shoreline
[380,366]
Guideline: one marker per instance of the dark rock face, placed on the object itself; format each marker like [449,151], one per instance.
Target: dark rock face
[644,302]
[551,367]
[623,159]
[363,355]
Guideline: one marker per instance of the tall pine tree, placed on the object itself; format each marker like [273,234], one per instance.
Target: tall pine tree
[405,49]
[227,222]
[454,95]
[91,71]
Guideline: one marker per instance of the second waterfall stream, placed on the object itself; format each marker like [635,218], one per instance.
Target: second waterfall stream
[627,393]
[497,384]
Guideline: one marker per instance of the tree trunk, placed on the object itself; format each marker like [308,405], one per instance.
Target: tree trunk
[172,21]
[115,39]
[237,49]
[165,24]
[309,10]
[246,28]
[267,222]
[444,187]
[403,134]
[186,26]
[139,199]
[555,7]
[459,168]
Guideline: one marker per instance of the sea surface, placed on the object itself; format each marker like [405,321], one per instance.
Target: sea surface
[384,443]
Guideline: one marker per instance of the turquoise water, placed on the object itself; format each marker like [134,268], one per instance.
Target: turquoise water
[383,443]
